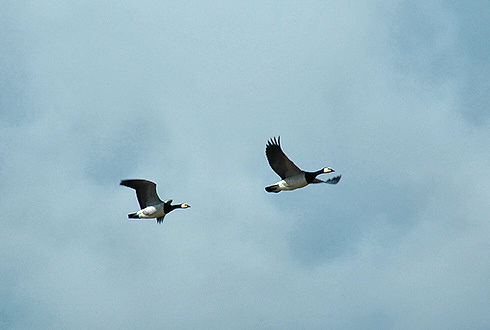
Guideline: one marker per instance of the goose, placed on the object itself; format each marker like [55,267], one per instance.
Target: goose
[292,176]
[151,205]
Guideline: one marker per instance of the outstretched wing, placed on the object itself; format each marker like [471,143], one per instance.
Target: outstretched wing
[334,180]
[278,160]
[160,220]
[146,191]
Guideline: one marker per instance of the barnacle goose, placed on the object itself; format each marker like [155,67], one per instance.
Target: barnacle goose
[292,176]
[151,205]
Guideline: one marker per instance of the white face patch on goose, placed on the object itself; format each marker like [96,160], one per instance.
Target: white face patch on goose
[328,170]
[185,205]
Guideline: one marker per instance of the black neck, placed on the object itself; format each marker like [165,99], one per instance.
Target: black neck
[310,176]
[168,207]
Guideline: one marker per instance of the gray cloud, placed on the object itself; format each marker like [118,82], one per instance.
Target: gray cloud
[187,95]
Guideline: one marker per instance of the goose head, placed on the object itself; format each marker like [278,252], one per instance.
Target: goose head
[184,205]
[328,170]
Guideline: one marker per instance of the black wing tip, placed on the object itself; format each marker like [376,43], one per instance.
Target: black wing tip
[274,141]
[334,180]
[127,182]
[124,182]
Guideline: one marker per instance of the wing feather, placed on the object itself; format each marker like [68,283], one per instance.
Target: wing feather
[278,160]
[334,180]
[146,191]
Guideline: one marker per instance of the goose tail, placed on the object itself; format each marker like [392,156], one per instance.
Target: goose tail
[133,216]
[274,188]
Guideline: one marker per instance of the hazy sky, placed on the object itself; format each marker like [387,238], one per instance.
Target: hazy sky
[395,97]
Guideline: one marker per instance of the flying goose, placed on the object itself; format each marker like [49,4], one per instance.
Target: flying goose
[292,176]
[151,205]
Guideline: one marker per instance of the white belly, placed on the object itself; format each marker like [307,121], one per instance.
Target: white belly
[293,182]
[155,211]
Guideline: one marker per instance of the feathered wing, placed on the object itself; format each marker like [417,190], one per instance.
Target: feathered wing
[278,160]
[334,180]
[146,191]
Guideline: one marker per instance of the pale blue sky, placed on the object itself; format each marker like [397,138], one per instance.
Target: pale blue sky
[186,94]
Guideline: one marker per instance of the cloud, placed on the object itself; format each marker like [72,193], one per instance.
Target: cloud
[187,95]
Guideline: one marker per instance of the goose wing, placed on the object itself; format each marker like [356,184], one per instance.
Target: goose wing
[334,180]
[278,160]
[146,191]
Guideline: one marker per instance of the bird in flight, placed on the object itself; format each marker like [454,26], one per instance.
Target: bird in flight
[151,205]
[292,176]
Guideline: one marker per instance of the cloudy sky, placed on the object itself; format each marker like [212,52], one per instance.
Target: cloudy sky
[186,94]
